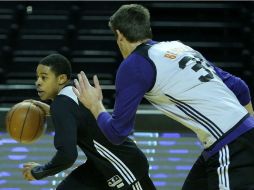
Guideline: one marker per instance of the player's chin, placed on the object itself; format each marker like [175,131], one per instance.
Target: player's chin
[42,96]
[43,99]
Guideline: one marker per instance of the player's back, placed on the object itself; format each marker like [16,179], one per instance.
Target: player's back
[188,90]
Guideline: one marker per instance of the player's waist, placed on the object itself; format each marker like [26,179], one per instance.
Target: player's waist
[243,126]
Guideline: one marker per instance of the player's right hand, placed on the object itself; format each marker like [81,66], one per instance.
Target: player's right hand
[45,107]
[26,170]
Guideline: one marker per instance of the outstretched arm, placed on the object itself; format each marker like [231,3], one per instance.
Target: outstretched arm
[134,78]
[45,107]
[90,96]
[64,140]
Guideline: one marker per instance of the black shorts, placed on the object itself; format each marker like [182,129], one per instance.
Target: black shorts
[232,168]
[87,177]
[84,177]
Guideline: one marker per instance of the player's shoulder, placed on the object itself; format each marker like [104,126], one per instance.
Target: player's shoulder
[68,93]
[138,57]
[173,47]
[65,98]
[129,64]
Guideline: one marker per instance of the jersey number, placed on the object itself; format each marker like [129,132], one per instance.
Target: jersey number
[197,67]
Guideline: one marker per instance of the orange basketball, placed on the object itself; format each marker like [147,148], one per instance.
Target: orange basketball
[25,122]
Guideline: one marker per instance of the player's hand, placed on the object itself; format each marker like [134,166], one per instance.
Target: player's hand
[45,107]
[88,95]
[27,167]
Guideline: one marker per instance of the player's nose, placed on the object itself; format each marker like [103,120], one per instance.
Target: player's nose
[37,83]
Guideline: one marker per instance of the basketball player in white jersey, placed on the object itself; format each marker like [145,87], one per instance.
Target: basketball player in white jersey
[181,83]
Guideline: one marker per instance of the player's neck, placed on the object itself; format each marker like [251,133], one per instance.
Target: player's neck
[60,87]
[131,46]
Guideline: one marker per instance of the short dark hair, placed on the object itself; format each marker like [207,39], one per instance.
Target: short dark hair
[58,64]
[133,21]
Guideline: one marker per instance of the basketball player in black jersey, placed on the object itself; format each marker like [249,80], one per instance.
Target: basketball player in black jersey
[108,166]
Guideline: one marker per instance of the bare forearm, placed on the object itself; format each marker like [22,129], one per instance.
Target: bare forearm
[97,108]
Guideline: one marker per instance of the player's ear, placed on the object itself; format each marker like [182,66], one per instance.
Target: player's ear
[62,79]
[120,36]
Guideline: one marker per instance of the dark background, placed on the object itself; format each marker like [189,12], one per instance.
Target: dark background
[221,31]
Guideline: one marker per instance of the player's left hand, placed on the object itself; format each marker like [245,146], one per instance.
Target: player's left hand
[87,94]
[27,167]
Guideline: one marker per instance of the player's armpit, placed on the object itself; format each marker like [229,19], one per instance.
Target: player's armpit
[249,108]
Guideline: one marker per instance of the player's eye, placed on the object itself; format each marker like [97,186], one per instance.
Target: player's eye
[44,78]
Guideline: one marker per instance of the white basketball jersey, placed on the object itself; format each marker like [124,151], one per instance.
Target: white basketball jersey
[188,90]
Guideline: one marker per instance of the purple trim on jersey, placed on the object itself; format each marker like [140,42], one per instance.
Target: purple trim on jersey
[151,42]
[198,117]
[244,125]
[134,78]
[236,85]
